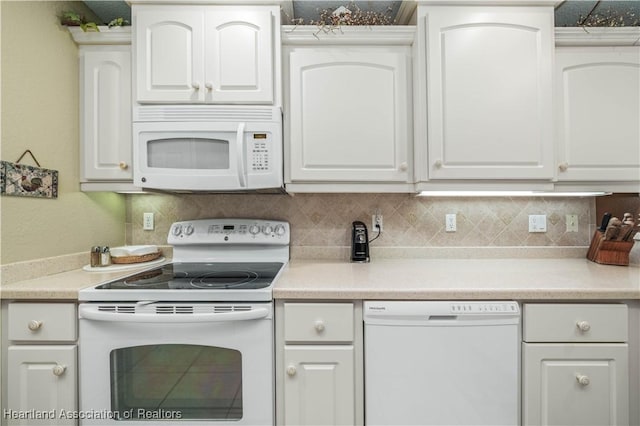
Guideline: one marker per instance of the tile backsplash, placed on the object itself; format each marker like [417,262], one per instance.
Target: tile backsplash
[323,221]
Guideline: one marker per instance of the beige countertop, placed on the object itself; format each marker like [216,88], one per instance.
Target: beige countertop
[522,279]
[62,286]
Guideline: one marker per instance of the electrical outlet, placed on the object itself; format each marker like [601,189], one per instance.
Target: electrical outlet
[147,221]
[572,223]
[450,222]
[376,223]
[537,223]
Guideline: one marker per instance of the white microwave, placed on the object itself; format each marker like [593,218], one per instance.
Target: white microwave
[184,148]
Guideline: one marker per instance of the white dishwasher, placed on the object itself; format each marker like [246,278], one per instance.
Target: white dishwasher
[442,363]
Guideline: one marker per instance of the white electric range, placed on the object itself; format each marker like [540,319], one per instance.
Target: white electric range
[191,341]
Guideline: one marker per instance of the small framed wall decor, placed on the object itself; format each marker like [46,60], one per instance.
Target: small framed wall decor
[27,181]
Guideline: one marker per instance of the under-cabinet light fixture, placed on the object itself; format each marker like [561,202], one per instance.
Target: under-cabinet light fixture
[510,194]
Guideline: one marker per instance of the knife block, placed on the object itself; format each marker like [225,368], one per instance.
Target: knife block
[608,252]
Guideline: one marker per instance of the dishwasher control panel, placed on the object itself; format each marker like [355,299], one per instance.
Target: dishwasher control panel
[425,310]
[483,307]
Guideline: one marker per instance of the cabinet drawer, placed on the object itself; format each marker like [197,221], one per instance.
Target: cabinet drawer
[318,322]
[42,321]
[575,323]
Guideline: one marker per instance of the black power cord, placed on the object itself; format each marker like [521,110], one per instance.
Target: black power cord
[377,236]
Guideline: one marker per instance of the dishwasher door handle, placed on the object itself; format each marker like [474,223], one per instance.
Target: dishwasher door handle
[443,317]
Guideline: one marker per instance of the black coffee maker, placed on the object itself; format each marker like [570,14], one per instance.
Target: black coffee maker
[359,242]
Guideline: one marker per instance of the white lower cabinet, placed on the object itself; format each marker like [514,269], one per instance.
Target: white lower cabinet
[319,387]
[575,382]
[41,364]
[319,377]
[42,382]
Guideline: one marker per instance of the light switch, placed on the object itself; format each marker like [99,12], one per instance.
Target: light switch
[537,223]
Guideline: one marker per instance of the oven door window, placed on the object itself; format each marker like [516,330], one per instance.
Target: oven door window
[177,381]
[188,153]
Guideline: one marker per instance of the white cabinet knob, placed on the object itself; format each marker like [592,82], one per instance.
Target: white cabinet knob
[209,86]
[291,370]
[34,325]
[563,167]
[123,165]
[195,85]
[59,370]
[583,380]
[404,166]
[319,326]
[583,326]
[438,164]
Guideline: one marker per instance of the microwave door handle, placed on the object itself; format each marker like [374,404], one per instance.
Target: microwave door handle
[241,153]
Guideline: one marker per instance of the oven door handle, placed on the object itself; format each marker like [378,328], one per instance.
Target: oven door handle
[95,315]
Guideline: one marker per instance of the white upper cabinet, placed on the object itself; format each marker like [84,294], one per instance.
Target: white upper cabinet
[204,54]
[484,108]
[105,113]
[348,116]
[105,109]
[598,113]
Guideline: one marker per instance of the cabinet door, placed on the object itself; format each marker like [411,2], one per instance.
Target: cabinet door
[319,387]
[598,113]
[350,115]
[575,384]
[105,142]
[169,51]
[239,55]
[489,92]
[42,379]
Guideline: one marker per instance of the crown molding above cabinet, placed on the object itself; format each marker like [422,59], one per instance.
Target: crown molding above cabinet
[392,34]
[597,36]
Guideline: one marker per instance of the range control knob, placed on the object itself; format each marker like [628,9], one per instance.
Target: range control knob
[254,229]
[267,230]
[188,230]
[280,230]
[177,230]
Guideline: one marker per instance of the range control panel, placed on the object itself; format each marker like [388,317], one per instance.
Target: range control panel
[229,231]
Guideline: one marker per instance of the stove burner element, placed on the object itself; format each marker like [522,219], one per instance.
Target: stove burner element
[200,276]
[227,279]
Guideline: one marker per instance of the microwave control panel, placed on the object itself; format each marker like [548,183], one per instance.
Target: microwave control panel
[259,151]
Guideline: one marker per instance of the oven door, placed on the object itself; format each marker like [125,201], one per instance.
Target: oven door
[181,363]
